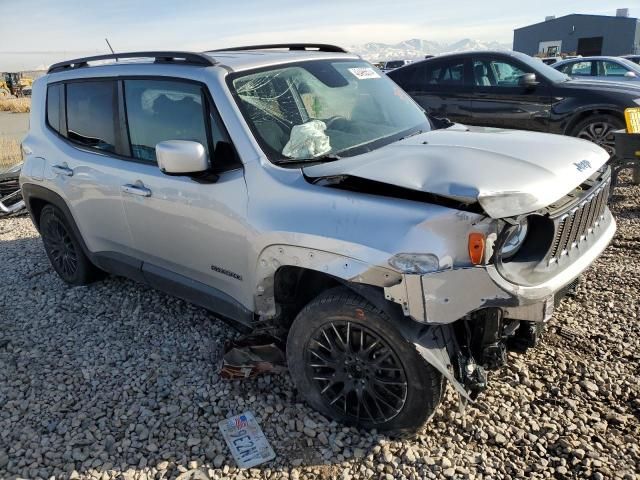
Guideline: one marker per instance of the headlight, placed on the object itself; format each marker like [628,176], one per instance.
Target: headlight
[636,101]
[515,239]
[415,262]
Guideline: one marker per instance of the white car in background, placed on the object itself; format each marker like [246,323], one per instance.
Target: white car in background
[393,64]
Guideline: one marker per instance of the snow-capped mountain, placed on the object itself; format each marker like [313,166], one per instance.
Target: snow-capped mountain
[417,48]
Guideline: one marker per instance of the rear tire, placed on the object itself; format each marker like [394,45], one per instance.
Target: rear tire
[599,128]
[351,364]
[64,250]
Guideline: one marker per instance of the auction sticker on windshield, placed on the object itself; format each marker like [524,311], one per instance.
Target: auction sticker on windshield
[364,73]
[245,439]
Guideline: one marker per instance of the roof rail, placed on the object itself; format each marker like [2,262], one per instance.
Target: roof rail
[320,47]
[182,58]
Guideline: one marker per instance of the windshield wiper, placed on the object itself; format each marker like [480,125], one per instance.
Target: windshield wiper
[412,134]
[329,157]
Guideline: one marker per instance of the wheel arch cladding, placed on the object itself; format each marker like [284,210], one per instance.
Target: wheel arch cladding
[37,197]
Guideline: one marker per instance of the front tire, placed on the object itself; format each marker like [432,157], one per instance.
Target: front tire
[599,129]
[351,364]
[64,250]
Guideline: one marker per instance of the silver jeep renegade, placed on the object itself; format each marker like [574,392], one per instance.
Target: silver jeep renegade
[298,185]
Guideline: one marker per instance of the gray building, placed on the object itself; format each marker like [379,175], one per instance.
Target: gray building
[579,34]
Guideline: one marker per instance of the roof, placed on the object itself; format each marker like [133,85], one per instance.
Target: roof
[250,59]
[547,22]
[590,58]
[470,53]
[237,58]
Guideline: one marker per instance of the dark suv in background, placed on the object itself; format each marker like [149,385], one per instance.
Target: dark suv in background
[514,90]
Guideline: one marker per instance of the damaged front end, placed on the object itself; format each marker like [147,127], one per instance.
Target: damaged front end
[464,351]
[479,313]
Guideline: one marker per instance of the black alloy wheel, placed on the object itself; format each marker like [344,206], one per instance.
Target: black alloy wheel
[64,250]
[350,362]
[599,129]
[59,247]
[357,372]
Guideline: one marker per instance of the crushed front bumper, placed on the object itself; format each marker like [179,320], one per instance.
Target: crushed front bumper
[446,296]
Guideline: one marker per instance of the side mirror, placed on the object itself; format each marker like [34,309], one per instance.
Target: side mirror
[528,80]
[181,157]
[630,74]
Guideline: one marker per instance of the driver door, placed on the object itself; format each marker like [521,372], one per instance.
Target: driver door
[499,101]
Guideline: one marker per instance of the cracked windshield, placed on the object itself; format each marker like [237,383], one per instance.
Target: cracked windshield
[321,110]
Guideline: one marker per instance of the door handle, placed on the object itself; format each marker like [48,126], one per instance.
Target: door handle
[138,190]
[62,170]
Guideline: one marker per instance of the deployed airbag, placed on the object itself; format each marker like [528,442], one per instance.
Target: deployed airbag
[307,141]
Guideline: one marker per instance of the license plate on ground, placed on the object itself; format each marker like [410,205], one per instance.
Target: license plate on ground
[246,441]
[632,116]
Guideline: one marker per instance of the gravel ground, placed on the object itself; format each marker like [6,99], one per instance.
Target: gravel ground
[116,380]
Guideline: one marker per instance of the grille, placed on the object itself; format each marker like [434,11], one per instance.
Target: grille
[574,227]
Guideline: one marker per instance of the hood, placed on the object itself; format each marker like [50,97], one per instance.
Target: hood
[509,172]
[622,86]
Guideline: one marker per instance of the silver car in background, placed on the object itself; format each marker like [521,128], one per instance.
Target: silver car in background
[614,69]
[297,185]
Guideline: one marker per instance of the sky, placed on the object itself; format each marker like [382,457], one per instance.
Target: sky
[36,33]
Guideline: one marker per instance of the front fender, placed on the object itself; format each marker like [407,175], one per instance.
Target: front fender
[339,266]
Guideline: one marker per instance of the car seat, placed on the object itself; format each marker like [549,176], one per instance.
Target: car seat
[481,75]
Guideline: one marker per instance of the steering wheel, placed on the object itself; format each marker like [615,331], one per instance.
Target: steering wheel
[349,126]
[333,119]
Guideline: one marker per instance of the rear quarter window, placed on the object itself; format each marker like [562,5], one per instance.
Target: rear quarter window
[53,106]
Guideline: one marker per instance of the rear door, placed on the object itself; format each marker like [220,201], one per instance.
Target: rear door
[441,87]
[500,101]
[188,231]
[82,118]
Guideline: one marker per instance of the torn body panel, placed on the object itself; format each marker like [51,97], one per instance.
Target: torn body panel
[438,346]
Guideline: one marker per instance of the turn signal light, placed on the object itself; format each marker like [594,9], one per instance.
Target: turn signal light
[476,247]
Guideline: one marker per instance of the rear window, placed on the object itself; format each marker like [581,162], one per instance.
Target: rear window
[90,114]
[581,69]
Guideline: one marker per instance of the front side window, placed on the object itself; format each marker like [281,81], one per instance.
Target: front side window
[159,110]
[610,69]
[497,73]
[319,108]
[90,114]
